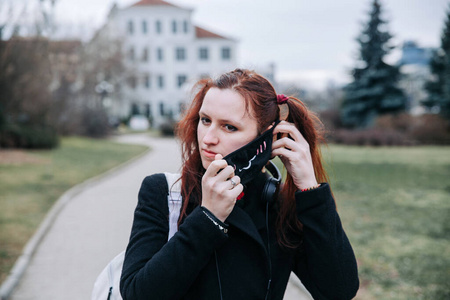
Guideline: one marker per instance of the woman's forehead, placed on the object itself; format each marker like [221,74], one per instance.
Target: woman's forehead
[227,103]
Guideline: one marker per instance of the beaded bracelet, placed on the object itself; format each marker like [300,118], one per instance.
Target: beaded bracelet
[310,188]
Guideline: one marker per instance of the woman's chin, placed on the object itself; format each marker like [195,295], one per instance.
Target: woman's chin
[205,163]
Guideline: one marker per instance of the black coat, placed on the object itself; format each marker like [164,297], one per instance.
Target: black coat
[199,256]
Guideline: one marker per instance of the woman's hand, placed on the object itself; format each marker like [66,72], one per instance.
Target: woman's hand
[295,154]
[219,193]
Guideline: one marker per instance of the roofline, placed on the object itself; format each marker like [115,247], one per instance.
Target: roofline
[207,34]
[160,3]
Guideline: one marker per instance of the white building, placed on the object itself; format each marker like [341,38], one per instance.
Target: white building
[166,54]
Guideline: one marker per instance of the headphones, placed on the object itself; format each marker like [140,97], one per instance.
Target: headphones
[270,190]
[269,195]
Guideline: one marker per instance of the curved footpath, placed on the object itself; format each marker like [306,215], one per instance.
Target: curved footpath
[93,226]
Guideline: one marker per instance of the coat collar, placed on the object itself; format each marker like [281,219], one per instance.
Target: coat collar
[241,220]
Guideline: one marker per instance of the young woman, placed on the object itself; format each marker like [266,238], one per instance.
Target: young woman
[235,240]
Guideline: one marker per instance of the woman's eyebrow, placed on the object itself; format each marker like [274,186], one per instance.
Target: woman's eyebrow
[234,122]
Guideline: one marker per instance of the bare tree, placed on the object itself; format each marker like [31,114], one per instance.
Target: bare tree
[25,75]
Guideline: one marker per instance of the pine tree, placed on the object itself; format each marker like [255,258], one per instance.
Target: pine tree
[373,90]
[438,87]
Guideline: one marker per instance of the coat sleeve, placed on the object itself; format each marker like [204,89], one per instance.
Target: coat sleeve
[155,268]
[326,264]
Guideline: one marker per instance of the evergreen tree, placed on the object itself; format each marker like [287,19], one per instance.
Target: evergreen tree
[373,90]
[438,87]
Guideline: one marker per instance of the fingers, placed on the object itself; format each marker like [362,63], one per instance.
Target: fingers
[220,188]
[220,176]
[215,167]
[234,182]
[295,141]
[290,129]
[236,191]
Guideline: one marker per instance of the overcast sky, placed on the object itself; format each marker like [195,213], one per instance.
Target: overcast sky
[310,41]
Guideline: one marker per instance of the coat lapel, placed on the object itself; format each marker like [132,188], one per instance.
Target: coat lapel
[241,220]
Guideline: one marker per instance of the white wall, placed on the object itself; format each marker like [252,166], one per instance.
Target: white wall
[171,94]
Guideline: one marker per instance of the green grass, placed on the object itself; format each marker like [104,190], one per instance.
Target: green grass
[28,189]
[395,207]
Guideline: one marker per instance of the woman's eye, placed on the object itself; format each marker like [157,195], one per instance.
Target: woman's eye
[205,121]
[230,128]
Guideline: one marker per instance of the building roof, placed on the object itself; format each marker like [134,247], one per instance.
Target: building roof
[153,2]
[203,33]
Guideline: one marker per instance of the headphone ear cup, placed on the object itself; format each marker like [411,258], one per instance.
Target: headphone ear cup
[270,191]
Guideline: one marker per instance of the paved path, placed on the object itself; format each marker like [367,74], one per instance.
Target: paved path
[94,226]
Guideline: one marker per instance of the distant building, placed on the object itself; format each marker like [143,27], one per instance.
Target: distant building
[65,57]
[166,53]
[414,67]
[412,54]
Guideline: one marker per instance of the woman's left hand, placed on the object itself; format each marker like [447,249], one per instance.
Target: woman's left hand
[295,154]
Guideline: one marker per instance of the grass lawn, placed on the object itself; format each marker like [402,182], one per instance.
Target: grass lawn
[31,181]
[395,207]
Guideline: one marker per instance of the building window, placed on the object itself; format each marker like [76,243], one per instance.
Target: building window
[134,109]
[147,81]
[181,79]
[131,54]
[160,54]
[185,26]
[148,111]
[144,27]
[158,27]
[130,27]
[132,82]
[161,81]
[174,26]
[226,53]
[145,54]
[180,53]
[161,108]
[203,53]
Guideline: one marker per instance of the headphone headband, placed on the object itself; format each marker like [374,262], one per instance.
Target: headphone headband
[272,168]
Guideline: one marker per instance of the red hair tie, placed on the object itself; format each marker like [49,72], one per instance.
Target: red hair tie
[281,99]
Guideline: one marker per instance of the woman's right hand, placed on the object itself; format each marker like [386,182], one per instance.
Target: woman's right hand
[218,192]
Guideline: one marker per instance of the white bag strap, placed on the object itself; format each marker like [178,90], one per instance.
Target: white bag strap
[174,201]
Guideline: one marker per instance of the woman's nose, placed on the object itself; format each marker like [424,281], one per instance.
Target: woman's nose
[210,136]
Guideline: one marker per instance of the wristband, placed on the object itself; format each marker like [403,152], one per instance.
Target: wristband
[310,188]
[222,226]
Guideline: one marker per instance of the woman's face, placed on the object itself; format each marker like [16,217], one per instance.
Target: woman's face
[224,124]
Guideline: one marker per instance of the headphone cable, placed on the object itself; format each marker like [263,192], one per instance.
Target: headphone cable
[218,275]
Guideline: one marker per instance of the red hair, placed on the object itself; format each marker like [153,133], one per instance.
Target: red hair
[260,95]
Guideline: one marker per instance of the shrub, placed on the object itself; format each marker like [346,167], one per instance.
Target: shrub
[167,127]
[423,129]
[398,122]
[431,129]
[392,130]
[95,123]
[331,119]
[369,137]
[26,136]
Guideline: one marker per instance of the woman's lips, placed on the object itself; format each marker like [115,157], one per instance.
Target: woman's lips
[209,154]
